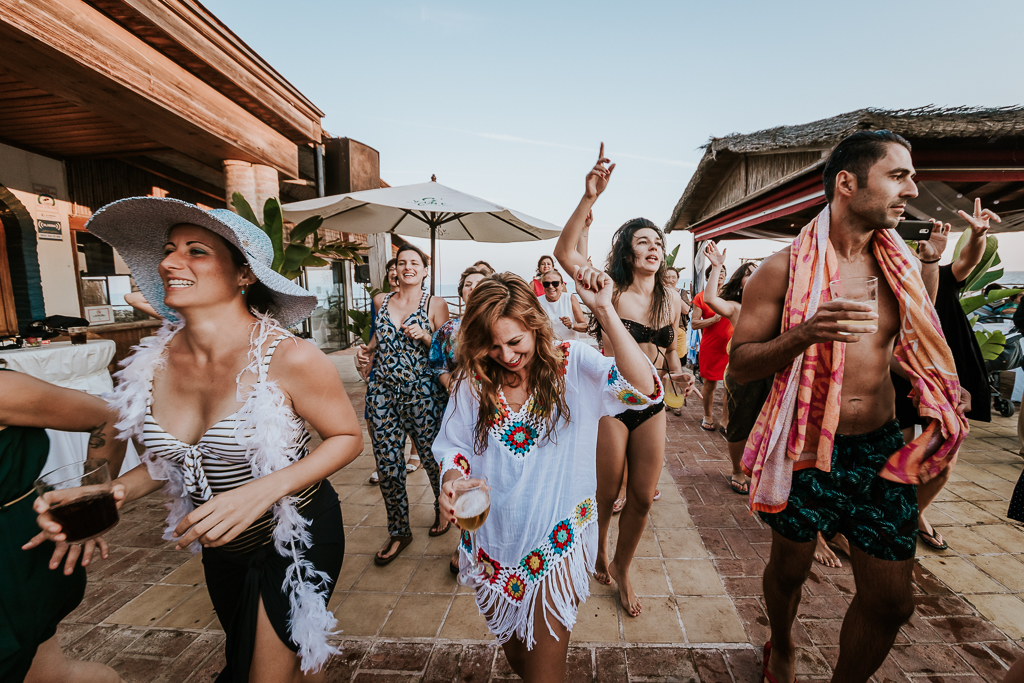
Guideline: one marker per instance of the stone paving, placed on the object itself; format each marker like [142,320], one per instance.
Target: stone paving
[698,570]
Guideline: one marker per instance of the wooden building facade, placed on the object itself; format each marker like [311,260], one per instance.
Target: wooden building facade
[106,99]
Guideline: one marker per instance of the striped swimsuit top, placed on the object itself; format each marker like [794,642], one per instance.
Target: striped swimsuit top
[218,462]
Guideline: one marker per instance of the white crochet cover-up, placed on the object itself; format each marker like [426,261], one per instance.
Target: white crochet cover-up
[539,542]
[269,431]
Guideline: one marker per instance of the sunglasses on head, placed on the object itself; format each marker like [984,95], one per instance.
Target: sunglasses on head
[551,284]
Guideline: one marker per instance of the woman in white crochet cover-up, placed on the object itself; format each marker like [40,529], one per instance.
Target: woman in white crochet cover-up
[243,487]
[524,414]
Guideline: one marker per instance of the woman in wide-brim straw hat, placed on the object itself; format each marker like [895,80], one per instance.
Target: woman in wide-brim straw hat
[224,428]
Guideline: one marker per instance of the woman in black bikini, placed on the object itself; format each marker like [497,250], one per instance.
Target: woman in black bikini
[636,265]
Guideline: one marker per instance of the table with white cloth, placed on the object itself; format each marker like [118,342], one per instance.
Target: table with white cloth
[82,367]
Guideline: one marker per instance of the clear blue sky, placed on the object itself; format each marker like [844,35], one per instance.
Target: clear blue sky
[509,101]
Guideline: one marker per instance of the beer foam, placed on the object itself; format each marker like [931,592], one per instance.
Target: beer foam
[473,503]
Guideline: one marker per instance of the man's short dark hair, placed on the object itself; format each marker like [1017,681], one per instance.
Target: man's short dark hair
[857,153]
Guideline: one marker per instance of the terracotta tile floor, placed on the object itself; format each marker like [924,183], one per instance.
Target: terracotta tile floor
[698,570]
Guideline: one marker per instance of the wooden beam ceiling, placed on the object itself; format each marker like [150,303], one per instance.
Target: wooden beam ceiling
[69,50]
[198,41]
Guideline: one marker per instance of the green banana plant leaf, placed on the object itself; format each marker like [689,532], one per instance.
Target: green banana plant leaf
[989,260]
[670,258]
[314,261]
[991,343]
[986,279]
[308,227]
[976,301]
[273,225]
[243,209]
[361,323]
[292,256]
[291,264]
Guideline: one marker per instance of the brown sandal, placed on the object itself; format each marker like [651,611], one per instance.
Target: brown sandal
[434,530]
[402,542]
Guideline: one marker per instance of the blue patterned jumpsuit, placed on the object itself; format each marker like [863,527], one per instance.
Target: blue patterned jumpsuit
[403,397]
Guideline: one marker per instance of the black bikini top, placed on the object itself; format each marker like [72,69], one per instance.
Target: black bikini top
[643,334]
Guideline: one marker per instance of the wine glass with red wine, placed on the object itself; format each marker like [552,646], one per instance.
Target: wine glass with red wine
[81,499]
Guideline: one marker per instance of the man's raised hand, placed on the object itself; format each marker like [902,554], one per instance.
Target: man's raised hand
[932,249]
[597,179]
[981,220]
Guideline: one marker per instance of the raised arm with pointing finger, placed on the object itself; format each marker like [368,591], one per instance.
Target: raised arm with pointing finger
[574,236]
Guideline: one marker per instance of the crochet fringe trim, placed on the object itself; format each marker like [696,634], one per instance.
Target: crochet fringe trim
[569,578]
[268,429]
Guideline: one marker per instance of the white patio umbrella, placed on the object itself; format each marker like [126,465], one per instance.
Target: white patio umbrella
[424,210]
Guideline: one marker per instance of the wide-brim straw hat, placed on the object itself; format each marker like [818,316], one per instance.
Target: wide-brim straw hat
[138,229]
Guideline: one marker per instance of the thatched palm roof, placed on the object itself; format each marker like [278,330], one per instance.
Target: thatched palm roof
[920,123]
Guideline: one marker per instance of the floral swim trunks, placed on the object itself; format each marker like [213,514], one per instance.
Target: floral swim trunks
[876,515]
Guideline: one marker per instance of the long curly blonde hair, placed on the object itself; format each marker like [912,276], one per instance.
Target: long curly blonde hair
[506,295]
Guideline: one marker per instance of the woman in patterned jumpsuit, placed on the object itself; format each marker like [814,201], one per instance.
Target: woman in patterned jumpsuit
[403,397]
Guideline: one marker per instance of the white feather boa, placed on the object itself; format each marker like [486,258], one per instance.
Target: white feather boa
[269,430]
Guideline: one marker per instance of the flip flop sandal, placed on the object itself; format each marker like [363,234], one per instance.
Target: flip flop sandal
[374,478]
[764,666]
[618,505]
[434,531]
[932,539]
[453,567]
[402,542]
[657,494]
[409,467]
[740,487]
[705,427]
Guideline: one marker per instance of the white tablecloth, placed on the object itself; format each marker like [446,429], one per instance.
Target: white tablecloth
[82,367]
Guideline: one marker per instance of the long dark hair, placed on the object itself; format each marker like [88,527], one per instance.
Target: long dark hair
[505,295]
[622,261]
[732,290]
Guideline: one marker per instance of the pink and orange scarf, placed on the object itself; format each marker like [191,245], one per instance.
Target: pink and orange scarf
[796,426]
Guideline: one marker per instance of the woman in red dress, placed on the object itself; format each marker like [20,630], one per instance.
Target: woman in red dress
[713,355]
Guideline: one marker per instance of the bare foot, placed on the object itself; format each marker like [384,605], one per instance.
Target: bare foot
[780,667]
[840,542]
[630,602]
[824,555]
[601,569]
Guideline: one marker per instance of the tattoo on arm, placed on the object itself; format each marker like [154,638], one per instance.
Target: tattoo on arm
[98,438]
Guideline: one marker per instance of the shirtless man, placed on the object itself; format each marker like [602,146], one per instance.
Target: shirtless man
[868,180]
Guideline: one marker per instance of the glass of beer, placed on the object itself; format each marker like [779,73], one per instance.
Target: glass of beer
[81,499]
[472,503]
[861,290]
[78,335]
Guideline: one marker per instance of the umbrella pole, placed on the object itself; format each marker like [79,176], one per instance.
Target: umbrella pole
[433,259]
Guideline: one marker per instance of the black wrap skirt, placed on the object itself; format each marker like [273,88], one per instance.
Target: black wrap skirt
[237,580]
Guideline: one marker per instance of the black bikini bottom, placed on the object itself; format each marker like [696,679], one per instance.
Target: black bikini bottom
[634,418]
[237,581]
